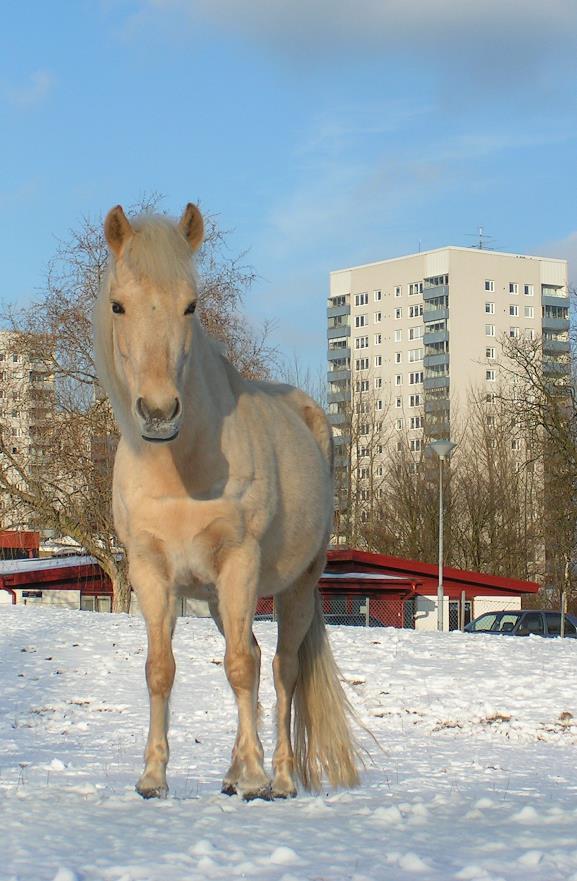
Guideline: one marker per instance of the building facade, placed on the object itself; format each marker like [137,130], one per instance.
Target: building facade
[417,334]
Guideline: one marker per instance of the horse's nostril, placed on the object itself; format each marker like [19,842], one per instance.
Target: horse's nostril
[142,409]
[176,411]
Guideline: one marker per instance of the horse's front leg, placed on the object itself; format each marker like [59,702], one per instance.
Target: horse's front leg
[157,603]
[237,587]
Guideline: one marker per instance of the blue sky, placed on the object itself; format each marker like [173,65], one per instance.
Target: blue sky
[323,134]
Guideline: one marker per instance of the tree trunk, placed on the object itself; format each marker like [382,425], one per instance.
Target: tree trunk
[120,591]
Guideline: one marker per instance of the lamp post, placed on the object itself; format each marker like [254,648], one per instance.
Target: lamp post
[443,449]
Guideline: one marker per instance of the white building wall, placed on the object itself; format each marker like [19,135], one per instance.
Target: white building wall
[426,609]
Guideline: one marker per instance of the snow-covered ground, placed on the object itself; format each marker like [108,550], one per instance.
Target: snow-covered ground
[476,780]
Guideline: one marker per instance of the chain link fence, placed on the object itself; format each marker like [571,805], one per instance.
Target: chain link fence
[355,610]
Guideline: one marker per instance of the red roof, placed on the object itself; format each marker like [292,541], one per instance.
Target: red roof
[426,574]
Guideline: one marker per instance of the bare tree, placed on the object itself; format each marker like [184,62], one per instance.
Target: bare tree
[59,478]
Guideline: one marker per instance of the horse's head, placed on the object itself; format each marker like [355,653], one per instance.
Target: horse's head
[152,297]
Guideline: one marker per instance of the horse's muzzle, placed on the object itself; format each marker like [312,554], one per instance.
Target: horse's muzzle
[158,426]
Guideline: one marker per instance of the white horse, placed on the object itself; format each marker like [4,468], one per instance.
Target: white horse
[222,491]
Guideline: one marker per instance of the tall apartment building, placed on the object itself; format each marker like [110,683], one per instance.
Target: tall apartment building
[26,404]
[420,332]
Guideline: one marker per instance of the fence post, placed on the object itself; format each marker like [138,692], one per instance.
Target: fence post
[367,611]
[462,610]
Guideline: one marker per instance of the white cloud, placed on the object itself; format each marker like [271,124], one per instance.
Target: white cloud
[28,93]
[565,248]
[433,24]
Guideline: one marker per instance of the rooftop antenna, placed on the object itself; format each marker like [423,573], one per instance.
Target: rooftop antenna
[482,239]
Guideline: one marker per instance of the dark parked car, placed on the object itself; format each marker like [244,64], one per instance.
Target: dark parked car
[519,623]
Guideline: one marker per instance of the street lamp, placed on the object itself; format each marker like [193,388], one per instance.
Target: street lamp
[443,449]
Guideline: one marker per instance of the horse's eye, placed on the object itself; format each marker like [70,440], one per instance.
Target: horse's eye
[118,308]
[190,308]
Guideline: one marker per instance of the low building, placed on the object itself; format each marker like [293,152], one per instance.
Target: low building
[357,588]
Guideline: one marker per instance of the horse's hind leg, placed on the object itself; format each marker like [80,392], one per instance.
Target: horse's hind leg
[295,609]
[236,588]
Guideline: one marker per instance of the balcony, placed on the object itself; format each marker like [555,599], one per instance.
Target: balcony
[338,353]
[440,314]
[442,358]
[438,336]
[558,346]
[558,368]
[433,382]
[440,290]
[555,323]
[336,311]
[342,330]
[337,375]
[553,300]
[337,418]
[437,406]
[338,397]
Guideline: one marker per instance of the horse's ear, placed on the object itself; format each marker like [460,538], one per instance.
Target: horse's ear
[192,226]
[117,230]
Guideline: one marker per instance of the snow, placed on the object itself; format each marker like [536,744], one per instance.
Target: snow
[475,778]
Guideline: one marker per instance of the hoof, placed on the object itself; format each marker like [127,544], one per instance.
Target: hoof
[228,789]
[283,793]
[264,792]
[152,792]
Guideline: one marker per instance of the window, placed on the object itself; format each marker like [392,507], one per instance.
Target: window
[490,397]
[490,375]
[378,317]
[15,359]
[364,429]
[397,358]
[364,473]
[378,339]
[415,378]
[489,284]
[362,364]
[398,379]
[361,320]
[378,382]
[378,360]
[415,400]
[528,290]
[415,355]
[415,444]
[416,333]
[490,353]
[361,299]
[363,452]
[398,403]
[398,336]
[490,308]
[398,424]
[416,311]
[398,291]
[416,422]
[362,342]
[514,332]
[362,385]
[529,333]
[514,311]
[489,330]
[528,312]
[379,405]
[398,313]
[515,444]
[513,287]
[378,296]
[415,287]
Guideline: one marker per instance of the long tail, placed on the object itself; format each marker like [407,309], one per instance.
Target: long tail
[323,742]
